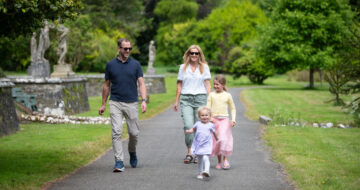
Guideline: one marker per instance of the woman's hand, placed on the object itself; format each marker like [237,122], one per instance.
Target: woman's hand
[232,124]
[176,106]
[178,90]
[189,131]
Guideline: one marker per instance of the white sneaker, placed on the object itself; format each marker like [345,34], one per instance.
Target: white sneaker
[200,176]
[205,174]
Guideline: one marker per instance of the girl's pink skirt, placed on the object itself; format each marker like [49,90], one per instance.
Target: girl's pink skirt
[224,145]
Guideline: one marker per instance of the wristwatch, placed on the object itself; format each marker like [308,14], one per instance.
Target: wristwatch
[144,99]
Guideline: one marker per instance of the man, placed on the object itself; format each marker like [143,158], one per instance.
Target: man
[123,73]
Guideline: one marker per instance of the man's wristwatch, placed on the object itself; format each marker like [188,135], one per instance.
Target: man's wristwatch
[144,99]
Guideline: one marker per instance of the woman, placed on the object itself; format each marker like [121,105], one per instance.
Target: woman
[193,85]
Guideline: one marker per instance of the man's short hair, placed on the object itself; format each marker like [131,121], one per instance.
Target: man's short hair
[121,40]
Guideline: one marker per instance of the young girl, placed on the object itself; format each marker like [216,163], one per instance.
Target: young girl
[219,102]
[203,141]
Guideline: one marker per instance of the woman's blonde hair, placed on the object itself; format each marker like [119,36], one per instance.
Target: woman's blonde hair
[222,80]
[204,108]
[201,60]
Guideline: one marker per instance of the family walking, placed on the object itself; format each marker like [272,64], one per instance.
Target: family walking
[207,125]
[193,91]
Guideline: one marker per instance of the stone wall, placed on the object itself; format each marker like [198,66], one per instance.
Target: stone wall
[9,121]
[56,96]
[95,84]
[155,84]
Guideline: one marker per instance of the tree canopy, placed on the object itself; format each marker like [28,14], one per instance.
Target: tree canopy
[19,17]
[305,34]
[233,24]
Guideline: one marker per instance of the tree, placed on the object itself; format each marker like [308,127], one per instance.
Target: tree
[206,6]
[233,24]
[305,34]
[171,12]
[19,17]
[148,32]
[174,17]
[15,53]
[344,75]
[243,61]
[113,14]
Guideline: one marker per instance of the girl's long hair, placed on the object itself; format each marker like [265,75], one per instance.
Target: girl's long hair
[201,60]
[222,80]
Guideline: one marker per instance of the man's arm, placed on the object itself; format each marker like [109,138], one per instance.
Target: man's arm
[105,95]
[142,89]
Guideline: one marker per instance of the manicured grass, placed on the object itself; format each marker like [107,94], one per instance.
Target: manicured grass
[293,101]
[15,73]
[314,158]
[40,153]
[43,152]
[317,158]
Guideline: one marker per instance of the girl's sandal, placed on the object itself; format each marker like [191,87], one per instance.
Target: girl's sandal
[195,160]
[226,165]
[188,159]
[218,166]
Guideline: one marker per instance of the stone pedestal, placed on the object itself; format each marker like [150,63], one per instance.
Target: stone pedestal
[39,69]
[62,71]
[155,84]
[151,71]
[56,96]
[9,123]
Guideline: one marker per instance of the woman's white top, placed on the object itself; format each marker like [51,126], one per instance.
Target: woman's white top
[193,82]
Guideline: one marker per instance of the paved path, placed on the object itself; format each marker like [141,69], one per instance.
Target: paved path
[161,151]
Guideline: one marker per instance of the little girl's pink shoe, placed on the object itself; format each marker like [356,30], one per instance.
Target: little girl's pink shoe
[218,166]
[226,165]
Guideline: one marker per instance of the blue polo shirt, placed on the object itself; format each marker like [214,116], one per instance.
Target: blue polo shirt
[123,78]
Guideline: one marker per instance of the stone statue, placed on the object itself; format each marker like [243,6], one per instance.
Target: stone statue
[61,69]
[62,44]
[44,42]
[40,66]
[154,83]
[152,54]
[33,48]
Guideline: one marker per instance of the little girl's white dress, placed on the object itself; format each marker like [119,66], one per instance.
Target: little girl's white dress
[203,140]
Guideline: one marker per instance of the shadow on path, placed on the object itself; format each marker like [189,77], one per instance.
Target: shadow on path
[161,151]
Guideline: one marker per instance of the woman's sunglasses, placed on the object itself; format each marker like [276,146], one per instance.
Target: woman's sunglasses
[194,53]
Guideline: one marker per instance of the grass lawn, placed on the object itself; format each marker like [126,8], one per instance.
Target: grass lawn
[314,158]
[43,152]
[287,100]
[317,158]
[39,153]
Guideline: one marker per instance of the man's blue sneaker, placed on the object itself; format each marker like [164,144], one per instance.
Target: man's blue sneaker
[119,166]
[133,159]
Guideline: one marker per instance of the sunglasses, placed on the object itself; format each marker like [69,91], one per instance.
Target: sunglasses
[130,48]
[194,53]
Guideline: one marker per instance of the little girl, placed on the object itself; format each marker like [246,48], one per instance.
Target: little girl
[219,102]
[203,141]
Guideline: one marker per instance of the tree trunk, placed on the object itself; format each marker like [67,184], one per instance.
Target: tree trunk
[311,75]
[321,77]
